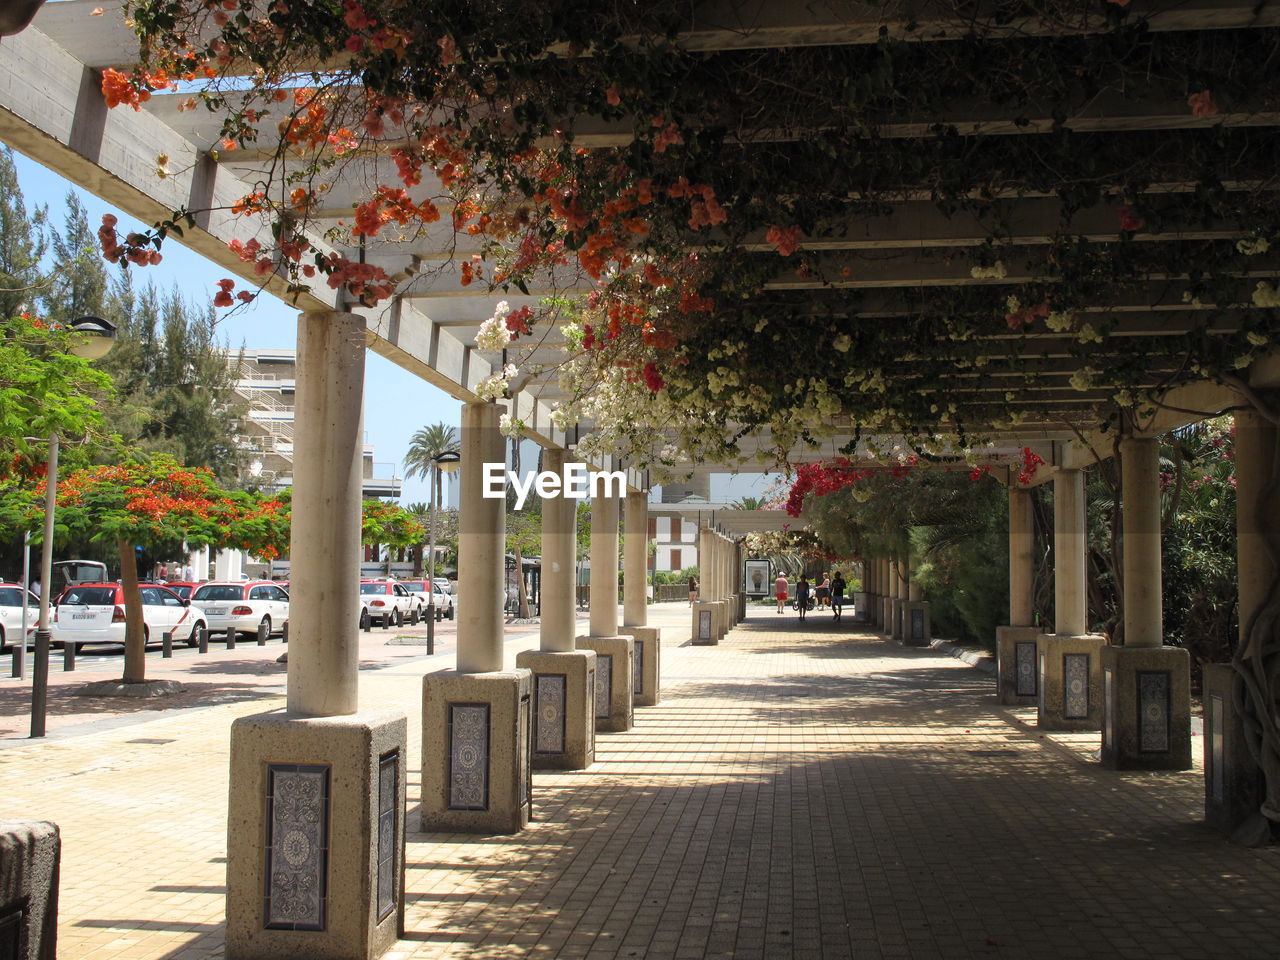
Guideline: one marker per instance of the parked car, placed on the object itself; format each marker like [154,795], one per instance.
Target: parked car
[243,604]
[390,602]
[183,588]
[11,613]
[443,600]
[94,613]
[444,584]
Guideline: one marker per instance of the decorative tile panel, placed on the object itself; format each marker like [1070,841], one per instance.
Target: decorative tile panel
[604,684]
[388,828]
[1075,685]
[1153,711]
[591,698]
[468,756]
[297,855]
[1108,708]
[637,667]
[550,689]
[704,624]
[1024,665]
[917,624]
[1217,748]
[524,746]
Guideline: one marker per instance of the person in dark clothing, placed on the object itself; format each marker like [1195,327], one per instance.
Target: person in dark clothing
[838,586]
[802,597]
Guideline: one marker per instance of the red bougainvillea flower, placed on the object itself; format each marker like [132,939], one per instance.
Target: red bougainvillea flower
[1202,104]
[786,239]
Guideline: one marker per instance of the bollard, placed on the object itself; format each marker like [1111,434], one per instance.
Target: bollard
[284,632]
[68,657]
[166,645]
[386,622]
[413,617]
[19,661]
[202,640]
[262,633]
[231,638]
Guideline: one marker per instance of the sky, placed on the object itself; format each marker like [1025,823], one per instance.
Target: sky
[396,403]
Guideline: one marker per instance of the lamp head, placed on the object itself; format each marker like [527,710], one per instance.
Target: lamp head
[97,337]
[448,461]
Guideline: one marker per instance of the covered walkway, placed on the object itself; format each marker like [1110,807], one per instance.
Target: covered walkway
[816,793]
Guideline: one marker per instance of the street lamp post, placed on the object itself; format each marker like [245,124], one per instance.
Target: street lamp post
[99,336]
[445,462]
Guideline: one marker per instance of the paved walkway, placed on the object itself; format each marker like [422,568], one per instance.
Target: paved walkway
[797,794]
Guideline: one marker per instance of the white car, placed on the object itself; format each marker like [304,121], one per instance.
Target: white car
[94,613]
[443,600]
[11,613]
[242,604]
[390,602]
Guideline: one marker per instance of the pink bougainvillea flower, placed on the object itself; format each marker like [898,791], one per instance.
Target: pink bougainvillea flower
[786,239]
[1202,104]
[1130,221]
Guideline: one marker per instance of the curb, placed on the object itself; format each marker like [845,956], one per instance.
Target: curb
[975,658]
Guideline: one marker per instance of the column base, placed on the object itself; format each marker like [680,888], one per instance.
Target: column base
[1069,676]
[704,624]
[1017,666]
[476,741]
[1234,788]
[896,630]
[30,857]
[917,631]
[564,723]
[646,667]
[613,681]
[1146,708]
[860,603]
[315,836]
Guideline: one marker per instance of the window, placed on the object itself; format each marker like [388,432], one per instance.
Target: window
[224,593]
[91,596]
[675,559]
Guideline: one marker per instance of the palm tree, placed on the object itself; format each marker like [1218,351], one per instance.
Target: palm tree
[749,503]
[424,446]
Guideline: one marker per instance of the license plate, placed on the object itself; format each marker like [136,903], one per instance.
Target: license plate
[84,616]
[215,611]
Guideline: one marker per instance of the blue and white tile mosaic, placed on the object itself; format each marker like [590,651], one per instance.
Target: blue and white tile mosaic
[468,756]
[297,856]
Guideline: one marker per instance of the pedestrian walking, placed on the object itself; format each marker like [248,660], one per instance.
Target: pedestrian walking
[780,591]
[693,590]
[838,587]
[823,591]
[802,596]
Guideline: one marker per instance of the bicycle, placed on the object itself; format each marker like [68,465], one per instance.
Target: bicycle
[809,604]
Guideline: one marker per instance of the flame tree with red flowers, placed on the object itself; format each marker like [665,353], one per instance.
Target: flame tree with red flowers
[149,502]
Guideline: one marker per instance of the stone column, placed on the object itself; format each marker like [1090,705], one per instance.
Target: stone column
[1070,667]
[564,721]
[345,766]
[646,640]
[900,574]
[704,628]
[615,653]
[1016,647]
[477,720]
[1233,782]
[1146,720]
[916,628]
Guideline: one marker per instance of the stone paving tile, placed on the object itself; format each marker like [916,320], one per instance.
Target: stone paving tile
[818,794]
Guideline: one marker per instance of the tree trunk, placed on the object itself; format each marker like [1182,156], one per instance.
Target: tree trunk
[417,560]
[135,643]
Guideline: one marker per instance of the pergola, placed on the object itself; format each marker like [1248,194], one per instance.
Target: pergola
[905,269]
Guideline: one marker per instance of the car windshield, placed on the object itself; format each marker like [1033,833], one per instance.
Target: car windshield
[91,596]
[183,591]
[10,597]
[373,588]
[417,586]
[227,592]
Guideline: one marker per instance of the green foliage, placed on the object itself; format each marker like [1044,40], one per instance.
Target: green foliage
[44,389]
[22,244]
[675,576]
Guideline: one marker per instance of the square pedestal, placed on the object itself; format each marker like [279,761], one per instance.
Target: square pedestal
[564,701]
[613,680]
[742,607]
[646,665]
[704,624]
[1146,708]
[1017,666]
[886,616]
[30,856]
[315,835]
[916,629]
[1233,784]
[897,630]
[1069,676]
[476,743]
[860,603]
